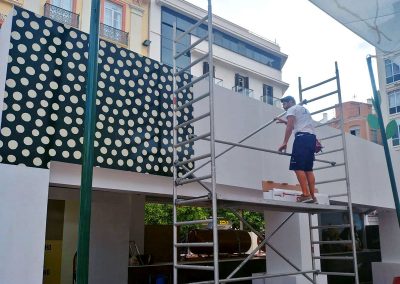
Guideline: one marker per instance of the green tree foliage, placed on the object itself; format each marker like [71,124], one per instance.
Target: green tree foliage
[161,214]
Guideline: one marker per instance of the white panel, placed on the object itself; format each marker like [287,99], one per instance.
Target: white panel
[23,210]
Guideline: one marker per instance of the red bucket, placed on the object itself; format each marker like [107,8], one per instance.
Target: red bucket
[396,280]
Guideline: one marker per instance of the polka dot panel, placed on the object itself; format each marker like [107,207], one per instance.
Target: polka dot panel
[43,113]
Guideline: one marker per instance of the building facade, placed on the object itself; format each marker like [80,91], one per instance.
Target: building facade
[389,86]
[124,22]
[243,62]
[355,121]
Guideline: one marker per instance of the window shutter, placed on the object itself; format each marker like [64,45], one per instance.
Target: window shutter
[206,67]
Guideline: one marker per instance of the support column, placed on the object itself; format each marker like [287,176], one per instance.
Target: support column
[389,232]
[109,238]
[135,37]
[23,210]
[293,241]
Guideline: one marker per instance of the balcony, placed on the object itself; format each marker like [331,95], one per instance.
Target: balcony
[271,101]
[244,91]
[113,34]
[61,15]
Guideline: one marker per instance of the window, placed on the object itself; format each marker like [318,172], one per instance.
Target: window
[168,17]
[392,71]
[65,4]
[355,130]
[206,68]
[396,137]
[394,101]
[241,82]
[113,15]
[268,94]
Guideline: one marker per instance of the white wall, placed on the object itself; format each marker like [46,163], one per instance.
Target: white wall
[109,238]
[236,116]
[23,210]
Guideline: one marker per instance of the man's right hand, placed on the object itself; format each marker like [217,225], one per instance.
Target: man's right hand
[280,120]
[282,148]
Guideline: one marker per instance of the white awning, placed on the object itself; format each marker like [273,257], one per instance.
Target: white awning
[376,21]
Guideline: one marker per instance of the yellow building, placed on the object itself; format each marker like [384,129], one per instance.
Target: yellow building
[124,22]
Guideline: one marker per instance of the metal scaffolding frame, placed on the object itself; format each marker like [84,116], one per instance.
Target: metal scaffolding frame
[184,174]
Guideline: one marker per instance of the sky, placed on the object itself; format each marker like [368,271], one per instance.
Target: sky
[312,40]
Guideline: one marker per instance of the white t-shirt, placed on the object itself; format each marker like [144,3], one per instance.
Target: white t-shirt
[303,121]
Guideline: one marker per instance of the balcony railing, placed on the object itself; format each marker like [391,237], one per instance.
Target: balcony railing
[271,101]
[113,34]
[61,15]
[244,91]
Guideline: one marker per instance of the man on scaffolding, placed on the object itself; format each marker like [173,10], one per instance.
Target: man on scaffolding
[300,122]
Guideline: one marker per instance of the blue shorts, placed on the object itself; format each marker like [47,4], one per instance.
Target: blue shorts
[303,152]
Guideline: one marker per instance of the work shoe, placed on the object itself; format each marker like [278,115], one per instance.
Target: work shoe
[305,199]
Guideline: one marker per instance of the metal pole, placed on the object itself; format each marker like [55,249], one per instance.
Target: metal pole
[349,202]
[384,140]
[300,90]
[175,156]
[212,145]
[88,152]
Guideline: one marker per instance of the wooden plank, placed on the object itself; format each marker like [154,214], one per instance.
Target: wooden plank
[268,185]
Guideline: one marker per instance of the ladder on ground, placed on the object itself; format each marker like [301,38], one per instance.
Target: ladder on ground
[345,196]
[184,170]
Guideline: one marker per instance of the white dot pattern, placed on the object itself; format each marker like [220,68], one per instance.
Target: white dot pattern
[46,83]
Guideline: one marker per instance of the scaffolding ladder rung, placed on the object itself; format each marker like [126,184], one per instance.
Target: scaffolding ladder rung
[330,137]
[192,140]
[186,181]
[328,167]
[191,102]
[193,120]
[192,200]
[331,180]
[201,157]
[197,42]
[195,267]
[323,227]
[193,222]
[191,65]
[322,257]
[318,84]
[332,242]
[329,152]
[183,245]
[337,273]
[320,97]
[327,123]
[324,109]
[191,83]
[196,25]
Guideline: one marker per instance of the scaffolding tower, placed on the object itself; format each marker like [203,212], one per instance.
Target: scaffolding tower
[184,173]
